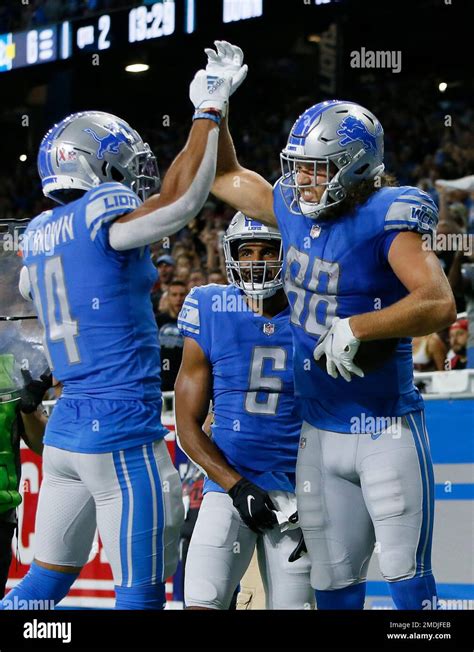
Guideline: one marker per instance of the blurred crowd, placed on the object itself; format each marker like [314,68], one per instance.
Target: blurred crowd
[423,148]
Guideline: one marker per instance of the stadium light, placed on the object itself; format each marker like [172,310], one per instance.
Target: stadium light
[137,67]
[23,158]
[442,87]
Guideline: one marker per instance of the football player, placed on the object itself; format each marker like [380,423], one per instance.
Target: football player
[238,351]
[357,268]
[89,272]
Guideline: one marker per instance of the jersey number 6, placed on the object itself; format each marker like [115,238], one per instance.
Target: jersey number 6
[270,385]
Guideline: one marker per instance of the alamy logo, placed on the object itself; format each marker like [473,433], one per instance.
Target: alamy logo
[377,59]
[437,604]
[353,129]
[233,302]
[19,604]
[40,629]
[448,242]
[111,142]
[376,426]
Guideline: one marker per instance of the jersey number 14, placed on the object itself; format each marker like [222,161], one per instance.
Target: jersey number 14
[65,328]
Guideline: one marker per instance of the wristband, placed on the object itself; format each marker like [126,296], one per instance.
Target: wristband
[209,114]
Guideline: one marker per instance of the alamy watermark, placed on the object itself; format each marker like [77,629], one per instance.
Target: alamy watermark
[448,242]
[15,604]
[437,604]
[231,302]
[39,629]
[377,59]
[376,426]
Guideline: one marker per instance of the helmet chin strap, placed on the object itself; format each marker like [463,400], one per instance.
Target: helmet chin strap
[314,209]
[308,208]
[260,294]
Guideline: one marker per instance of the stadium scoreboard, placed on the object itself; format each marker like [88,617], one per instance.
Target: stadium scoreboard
[99,33]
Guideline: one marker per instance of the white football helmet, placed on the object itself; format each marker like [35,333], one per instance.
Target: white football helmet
[341,141]
[92,147]
[258,279]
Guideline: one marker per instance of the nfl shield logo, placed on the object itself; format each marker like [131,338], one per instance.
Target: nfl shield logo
[302,442]
[268,328]
[315,231]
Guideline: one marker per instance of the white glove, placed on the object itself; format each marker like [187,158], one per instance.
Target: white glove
[340,346]
[210,91]
[227,62]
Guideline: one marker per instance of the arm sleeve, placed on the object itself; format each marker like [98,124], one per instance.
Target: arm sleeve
[412,210]
[106,203]
[167,220]
[191,322]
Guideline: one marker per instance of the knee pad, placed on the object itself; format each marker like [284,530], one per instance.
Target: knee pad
[331,567]
[397,563]
[207,596]
[41,588]
[140,597]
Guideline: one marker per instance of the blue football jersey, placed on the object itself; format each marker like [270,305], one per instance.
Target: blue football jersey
[256,425]
[100,333]
[339,267]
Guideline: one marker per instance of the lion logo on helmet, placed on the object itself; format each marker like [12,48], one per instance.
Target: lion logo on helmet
[352,129]
[111,142]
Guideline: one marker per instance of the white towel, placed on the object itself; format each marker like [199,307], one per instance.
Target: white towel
[465,183]
[285,503]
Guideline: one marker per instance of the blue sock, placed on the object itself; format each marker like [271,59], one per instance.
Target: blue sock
[350,597]
[416,593]
[140,597]
[40,588]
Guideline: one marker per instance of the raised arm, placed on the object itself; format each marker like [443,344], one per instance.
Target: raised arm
[243,189]
[192,397]
[187,183]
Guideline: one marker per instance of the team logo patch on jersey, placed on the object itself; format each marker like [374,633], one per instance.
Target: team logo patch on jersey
[315,231]
[424,216]
[110,143]
[268,328]
[352,129]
